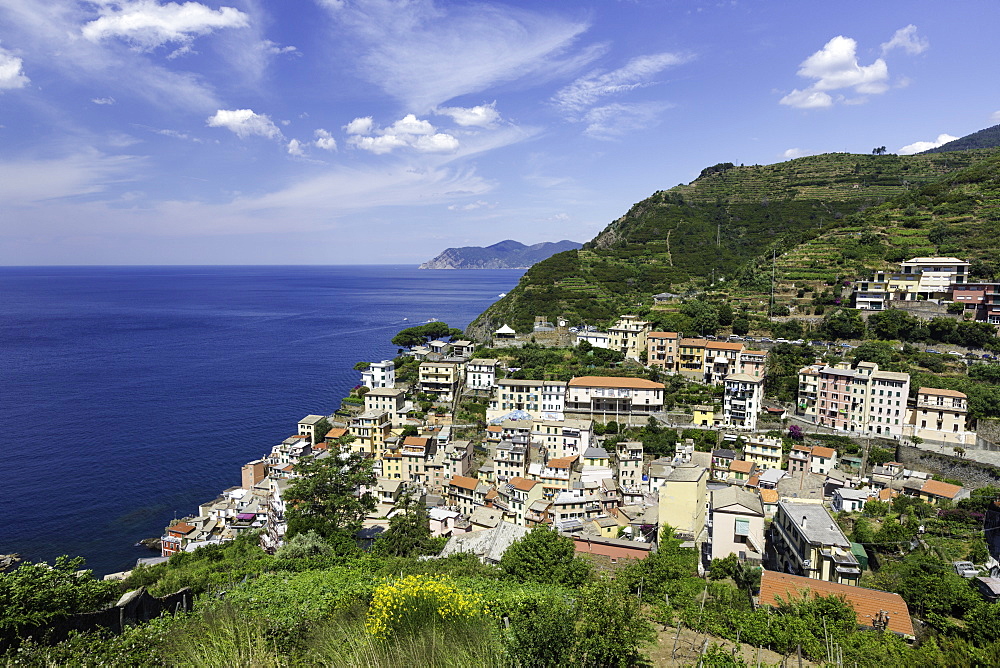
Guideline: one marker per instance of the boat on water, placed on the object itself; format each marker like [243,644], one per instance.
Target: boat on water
[431,320]
[502,294]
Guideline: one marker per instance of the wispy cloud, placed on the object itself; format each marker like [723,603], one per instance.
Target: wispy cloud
[638,72]
[147,25]
[244,123]
[908,40]
[426,53]
[920,146]
[103,100]
[11,71]
[615,120]
[472,206]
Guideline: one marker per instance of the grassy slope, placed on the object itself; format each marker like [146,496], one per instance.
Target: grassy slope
[725,225]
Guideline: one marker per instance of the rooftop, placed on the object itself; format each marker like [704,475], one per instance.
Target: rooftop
[610,381]
[937,392]
[819,524]
[866,602]
[733,496]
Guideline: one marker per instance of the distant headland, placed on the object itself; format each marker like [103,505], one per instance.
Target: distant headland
[503,255]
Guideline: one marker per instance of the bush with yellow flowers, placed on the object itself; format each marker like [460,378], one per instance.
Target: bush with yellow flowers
[413,602]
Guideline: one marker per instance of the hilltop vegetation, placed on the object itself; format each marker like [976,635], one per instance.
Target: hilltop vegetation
[988,138]
[823,217]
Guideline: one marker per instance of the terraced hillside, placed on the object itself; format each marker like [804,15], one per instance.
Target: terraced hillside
[812,213]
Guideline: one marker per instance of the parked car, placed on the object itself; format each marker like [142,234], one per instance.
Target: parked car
[782,341]
[845,345]
[712,337]
[955,353]
[932,350]
[818,343]
[735,337]
[798,342]
[766,339]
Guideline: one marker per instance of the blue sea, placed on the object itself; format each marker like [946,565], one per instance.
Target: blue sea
[129,395]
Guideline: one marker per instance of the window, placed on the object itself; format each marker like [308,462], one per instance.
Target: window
[742,527]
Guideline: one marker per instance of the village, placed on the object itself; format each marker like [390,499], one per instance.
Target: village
[747,478]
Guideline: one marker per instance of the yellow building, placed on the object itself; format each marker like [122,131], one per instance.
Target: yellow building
[370,429]
[703,415]
[682,498]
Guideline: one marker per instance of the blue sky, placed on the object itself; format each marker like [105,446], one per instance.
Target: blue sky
[343,132]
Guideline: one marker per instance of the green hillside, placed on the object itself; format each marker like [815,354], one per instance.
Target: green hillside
[725,226]
[988,138]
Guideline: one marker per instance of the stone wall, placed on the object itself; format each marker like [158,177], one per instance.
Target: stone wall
[135,607]
[971,473]
[988,434]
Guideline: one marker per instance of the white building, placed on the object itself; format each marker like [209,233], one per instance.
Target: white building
[614,396]
[596,339]
[379,374]
[562,438]
[742,401]
[481,374]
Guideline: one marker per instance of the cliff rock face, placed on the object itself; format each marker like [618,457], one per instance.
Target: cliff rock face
[504,255]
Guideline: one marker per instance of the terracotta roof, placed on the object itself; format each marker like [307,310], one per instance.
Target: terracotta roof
[336,432]
[464,482]
[769,495]
[561,462]
[819,451]
[938,488]
[612,381]
[182,528]
[490,495]
[661,335]
[522,484]
[724,345]
[753,481]
[887,494]
[741,466]
[933,391]
[419,441]
[866,602]
[494,428]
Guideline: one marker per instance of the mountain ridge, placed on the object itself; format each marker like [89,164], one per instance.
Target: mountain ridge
[506,254]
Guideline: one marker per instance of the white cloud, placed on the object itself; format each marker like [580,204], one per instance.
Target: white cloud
[793,153]
[295,148]
[587,90]
[52,29]
[807,99]
[836,67]
[359,126]
[147,25]
[273,49]
[920,146]
[908,40]
[426,53]
[408,131]
[103,100]
[995,116]
[325,140]
[244,122]
[472,206]
[615,120]
[481,116]
[11,72]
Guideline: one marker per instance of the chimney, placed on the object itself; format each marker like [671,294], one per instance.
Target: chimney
[803,525]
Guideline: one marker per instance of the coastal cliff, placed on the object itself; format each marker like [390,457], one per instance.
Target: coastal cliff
[503,255]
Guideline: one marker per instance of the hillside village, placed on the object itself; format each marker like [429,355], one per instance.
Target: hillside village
[491,454]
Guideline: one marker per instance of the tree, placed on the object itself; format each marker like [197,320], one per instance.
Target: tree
[741,325]
[362,366]
[843,323]
[327,496]
[320,430]
[409,533]
[612,629]
[704,316]
[725,314]
[35,593]
[879,352]
[421,334]
[543,555]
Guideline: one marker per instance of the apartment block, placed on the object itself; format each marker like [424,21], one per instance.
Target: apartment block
[805,540]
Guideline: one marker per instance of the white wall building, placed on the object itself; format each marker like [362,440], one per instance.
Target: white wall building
[379,374]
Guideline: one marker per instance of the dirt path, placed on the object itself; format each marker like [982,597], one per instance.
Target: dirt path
[690,643]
